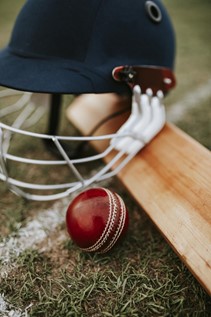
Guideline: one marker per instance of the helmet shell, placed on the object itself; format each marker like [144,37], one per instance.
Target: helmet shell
[72,46]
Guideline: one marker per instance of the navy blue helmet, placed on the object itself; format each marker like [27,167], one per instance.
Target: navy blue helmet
[80,46]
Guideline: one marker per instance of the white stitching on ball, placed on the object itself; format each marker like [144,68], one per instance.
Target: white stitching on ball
[120,224]
[109,225]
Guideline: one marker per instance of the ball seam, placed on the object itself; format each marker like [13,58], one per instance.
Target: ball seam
[109,224]
[120,226]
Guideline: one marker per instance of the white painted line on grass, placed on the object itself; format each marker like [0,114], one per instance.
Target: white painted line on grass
[34,232]
[7,310]
[27,237]
[191,100]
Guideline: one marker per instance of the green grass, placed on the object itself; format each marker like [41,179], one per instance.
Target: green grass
[197,123]
[8,12]
[142,276]
[191,21]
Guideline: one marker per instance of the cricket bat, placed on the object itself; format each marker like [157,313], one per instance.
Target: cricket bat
[170,179]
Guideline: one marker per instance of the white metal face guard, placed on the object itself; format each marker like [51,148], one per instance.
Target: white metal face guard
[145,122]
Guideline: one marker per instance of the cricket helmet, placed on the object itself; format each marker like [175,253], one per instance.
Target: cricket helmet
[76,47]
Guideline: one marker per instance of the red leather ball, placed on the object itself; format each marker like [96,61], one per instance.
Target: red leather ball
[96,219]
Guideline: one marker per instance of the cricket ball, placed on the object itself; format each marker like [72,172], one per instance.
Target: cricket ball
[96,219]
